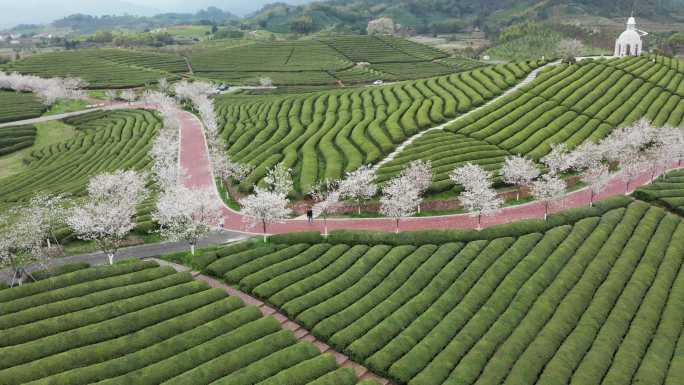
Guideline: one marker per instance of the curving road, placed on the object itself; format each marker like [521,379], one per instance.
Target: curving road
[195,160]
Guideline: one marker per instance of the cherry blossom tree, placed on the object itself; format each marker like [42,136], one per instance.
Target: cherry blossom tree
[186,214]
[21,244]
[265,207]
[48,212]
[597,177]
[591,163]
[265,82]
[49,90]
[419,173]
[164,152]
[163,86]
[547,189]
[627,146]
[111,95]
[128,95]
[520,172]
[279,180]
[570,49]
[400,199]
[559,159]
[478,198]
[470,176]
[326,207]
[224,168]
[359,185]
[106,216]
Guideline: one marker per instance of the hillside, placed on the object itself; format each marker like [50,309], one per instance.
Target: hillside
[593,296]
[441,16]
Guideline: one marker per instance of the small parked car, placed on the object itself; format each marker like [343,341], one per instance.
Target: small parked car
[378,82]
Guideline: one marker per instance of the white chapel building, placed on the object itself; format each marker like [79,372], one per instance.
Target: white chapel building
[629,43]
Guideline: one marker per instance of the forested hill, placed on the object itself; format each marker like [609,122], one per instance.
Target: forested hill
[426,16]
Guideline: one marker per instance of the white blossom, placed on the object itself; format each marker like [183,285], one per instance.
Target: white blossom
[111,95]
[265,82]
[400,199]
[279,180]
[264,207]
[48,214]
[128,95]
[470,176]
[49,90]
[597,177]
[106,216]
[547,189]
[326,207]
[559,159]
[359,185]
[186,214]
[419,173]
[519,171]
[478,198]
[21,240]
[163,85]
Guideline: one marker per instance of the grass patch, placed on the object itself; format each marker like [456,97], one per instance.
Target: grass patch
[66,105]
[47,133]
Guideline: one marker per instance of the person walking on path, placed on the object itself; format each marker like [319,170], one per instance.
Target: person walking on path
[309,215]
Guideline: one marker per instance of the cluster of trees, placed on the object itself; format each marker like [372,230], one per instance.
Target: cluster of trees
[49,90]
[150,39]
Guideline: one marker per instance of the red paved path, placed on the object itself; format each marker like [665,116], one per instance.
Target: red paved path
[194,159]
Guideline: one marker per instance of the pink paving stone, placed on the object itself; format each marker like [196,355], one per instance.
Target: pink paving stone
[309,338]
[301,333]
[360,370]
[339,357]
[280,318]
[371,376]
[267,310]
[322,346]
[289,325]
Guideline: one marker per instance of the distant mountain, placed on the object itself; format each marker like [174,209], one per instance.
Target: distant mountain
[427,16]
[45,11]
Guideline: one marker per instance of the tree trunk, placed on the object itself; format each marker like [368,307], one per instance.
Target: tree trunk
[479,221]
[48,242]
[546,210]
[591,197]
[110,258]
[359,207]
[192,249]
[627,186]
[264,224]
[325,226]
[517,194]
[419,208]
[396,231]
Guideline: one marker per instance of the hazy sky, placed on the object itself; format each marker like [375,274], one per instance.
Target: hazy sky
[14,12]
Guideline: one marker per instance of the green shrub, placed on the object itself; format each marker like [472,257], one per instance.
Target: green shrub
[59,270]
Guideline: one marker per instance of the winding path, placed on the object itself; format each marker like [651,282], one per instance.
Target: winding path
[195,160]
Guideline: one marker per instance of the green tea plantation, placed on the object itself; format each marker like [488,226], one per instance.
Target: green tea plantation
[138,323]
[591,296]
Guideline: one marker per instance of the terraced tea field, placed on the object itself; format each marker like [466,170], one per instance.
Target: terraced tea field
[325,61]
[103,68]
[16,106]
[16,138]
[667,191]
[107,141]
[321,135]
[138,323]
[593,296]
[564,104]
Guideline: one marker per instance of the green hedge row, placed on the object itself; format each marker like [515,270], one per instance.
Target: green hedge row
[92,274]
[126,291]
[59,270]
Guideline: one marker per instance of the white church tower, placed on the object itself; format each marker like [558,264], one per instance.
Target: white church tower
[629,43]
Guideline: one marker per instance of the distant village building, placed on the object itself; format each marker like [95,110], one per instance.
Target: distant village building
[629,43]
[381,26]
